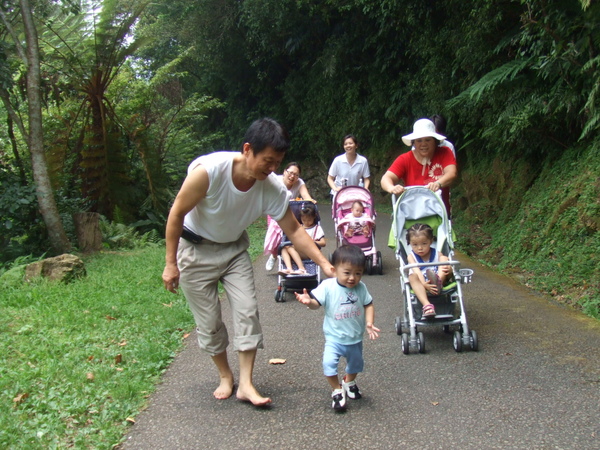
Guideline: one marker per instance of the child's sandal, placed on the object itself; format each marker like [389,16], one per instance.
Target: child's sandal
[429,310]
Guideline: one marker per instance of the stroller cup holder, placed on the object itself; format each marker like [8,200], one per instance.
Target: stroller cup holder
[466,275]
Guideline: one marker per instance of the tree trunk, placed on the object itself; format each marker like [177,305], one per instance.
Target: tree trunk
[45,195]
[87,228]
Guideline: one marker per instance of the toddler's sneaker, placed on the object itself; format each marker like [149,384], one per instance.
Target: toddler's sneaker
[270,263]
[351,389]
[338,398]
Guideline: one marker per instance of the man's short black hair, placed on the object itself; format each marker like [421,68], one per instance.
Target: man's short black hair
[267,132]
[348,254]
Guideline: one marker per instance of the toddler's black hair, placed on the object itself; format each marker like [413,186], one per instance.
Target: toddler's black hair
[419,228]
[348,254]
[308,209]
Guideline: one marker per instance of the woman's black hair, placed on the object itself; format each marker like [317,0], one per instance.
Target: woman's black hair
[350,254]
[294,163]
[439,122]
[350,136]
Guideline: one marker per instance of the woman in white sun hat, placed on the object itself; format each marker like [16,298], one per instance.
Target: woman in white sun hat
[426,164]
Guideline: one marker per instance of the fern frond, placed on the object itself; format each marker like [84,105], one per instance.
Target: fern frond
[590,108]
[491,80]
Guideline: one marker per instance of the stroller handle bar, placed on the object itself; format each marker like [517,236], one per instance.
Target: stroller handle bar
[409,188]
[465,275]
[407,267]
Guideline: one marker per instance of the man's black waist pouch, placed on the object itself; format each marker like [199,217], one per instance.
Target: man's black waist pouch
[190,236]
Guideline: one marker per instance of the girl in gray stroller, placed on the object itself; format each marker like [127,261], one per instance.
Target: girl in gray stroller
[425,280]
[430,277]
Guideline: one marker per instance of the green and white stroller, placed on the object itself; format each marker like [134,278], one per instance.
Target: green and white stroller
[420,205]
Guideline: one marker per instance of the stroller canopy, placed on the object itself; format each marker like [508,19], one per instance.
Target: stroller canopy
[419,203]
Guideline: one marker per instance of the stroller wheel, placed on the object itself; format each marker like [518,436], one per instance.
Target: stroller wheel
[369,265]
[421,342]
[379,264]
[474,341]
[278,295]
[457,341]
[405,344]
[398,326]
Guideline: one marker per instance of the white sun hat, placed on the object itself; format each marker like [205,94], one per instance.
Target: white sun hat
[422,128]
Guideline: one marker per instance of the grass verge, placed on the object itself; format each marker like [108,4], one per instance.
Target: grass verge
[80,360]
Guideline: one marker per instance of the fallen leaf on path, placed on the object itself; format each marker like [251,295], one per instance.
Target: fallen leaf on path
[277,361]
[130,420]
[435,403]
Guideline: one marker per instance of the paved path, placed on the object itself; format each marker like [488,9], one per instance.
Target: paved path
[534,384]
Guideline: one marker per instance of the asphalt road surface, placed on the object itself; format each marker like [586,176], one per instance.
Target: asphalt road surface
[533,384]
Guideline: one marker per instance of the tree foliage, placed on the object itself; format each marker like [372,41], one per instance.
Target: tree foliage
[111,131]
[518,81]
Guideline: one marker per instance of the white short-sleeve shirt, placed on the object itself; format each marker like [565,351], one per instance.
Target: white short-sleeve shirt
[225,212]
[352,174]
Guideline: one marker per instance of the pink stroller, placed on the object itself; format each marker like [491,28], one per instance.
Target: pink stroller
[364,237]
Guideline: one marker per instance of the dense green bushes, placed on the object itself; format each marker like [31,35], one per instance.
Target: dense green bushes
[546,231]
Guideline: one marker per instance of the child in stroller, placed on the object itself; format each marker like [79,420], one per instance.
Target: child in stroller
[308,218]
[295,273]
[354,219]
[416,206]
[426,280]
[359,223]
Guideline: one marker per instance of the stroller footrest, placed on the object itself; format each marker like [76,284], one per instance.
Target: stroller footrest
[443,316]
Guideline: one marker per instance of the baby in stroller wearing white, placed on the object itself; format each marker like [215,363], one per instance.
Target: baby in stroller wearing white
[358,222]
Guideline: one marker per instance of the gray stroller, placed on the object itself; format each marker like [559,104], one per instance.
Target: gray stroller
[420,205]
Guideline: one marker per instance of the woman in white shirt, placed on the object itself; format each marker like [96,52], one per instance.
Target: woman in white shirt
[349,168]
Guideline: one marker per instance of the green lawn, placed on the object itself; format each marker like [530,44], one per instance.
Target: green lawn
[79,361]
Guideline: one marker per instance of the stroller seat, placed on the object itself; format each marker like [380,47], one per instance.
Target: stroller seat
[444,303]
[360,240]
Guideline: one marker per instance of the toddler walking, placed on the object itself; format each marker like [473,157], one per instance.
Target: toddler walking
[349,312]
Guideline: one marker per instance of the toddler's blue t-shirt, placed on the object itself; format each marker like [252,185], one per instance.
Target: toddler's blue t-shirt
[344,321]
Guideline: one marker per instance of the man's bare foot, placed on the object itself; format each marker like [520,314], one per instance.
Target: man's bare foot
[225,389]
[250,394]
